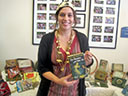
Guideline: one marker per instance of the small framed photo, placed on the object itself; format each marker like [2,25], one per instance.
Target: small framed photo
[96,38]
[98,10]
[99,1]
[109,29]
[97,29]
[108,39]
[41,16]
[110,10]
[41,25]
[117,67]
[52,26]
[53,7]
[40,34]
[52,16]
[111,2]
[79,5]
[80,21]
[42,7]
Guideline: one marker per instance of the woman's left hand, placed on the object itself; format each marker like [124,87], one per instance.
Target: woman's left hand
[88,57]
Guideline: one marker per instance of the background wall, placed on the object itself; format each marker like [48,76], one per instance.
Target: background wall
[16,33]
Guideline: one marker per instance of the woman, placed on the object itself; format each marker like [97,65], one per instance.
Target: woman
[53,66]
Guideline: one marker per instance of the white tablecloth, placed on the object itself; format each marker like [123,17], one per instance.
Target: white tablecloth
[91,91]
[102,91]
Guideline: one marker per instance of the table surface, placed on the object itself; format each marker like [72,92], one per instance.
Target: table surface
[91,91]
[103,91]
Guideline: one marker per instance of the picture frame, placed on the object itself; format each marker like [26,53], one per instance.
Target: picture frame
[79,5]
[103,23]
[43,18]
[80,20]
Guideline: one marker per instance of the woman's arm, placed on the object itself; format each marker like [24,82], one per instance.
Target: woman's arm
[61,81]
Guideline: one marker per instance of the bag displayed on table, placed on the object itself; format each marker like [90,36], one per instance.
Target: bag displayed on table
[119,82]
[11,63]
[11,68]
[24,85]
[125,90]
[34,76]
[101,75]
[4,88]
[25,65]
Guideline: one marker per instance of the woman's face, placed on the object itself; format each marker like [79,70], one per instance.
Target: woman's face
[66,18]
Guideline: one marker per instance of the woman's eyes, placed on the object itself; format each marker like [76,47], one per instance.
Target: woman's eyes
[69,15]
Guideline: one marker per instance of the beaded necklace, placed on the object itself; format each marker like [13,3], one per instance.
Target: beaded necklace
[59,53]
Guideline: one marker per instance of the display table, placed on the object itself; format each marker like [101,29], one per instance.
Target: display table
[102,91]
[91,91]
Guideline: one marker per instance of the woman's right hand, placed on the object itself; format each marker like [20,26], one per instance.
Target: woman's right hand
[64,81]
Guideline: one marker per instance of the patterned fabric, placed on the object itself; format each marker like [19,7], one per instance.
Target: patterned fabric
[58,90]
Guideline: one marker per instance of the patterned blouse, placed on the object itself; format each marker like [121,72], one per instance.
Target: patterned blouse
[59,90]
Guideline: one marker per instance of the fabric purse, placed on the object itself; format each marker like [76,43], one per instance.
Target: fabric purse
[4,89]
[25,65]
[11,68]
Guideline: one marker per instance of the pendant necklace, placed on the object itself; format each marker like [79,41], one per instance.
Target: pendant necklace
[59,53]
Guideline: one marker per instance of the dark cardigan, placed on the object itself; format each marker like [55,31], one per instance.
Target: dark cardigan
[45,64]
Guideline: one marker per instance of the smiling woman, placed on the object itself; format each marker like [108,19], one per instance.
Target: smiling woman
[53,64]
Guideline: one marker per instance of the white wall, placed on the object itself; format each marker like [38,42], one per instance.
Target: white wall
[16,33]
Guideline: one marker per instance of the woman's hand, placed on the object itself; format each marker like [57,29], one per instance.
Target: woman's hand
[64,81]
[88,57]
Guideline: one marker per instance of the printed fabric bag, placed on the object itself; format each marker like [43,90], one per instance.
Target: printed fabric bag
[4,88]
[25,65]
[34,76]
[23,85]
[11,68]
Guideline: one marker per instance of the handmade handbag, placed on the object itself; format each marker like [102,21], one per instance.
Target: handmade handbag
[125,90]
[25,65]
[24,85]
[101,75]
[11,63]
[32,75]
[4,89]
[11,68]
[119,82]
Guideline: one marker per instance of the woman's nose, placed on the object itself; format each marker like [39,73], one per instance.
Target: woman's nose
[65,17]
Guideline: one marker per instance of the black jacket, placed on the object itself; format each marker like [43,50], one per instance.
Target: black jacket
[45,64]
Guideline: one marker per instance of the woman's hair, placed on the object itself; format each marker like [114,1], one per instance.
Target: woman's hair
[61,6]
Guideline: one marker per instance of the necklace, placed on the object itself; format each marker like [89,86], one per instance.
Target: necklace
[59,53]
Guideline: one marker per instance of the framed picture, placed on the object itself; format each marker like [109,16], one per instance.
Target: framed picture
[43,18]
[80,21]
[79,5]
[103,23]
